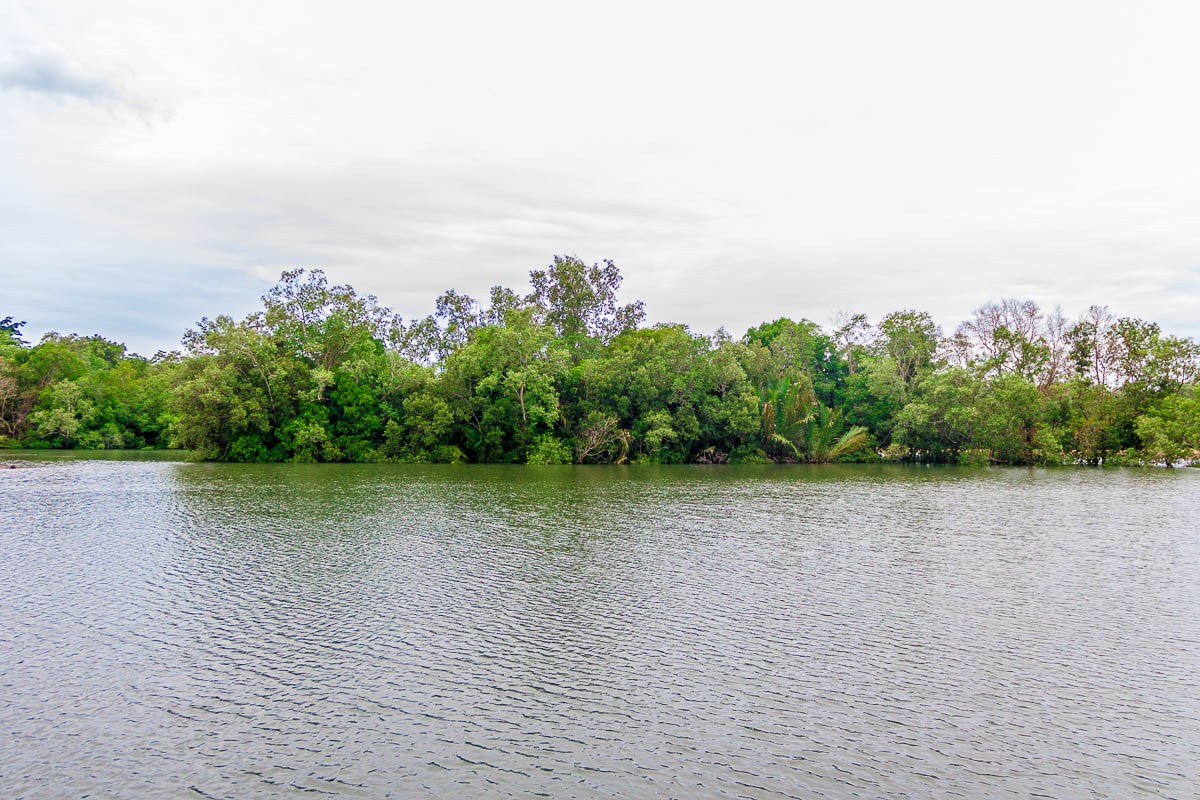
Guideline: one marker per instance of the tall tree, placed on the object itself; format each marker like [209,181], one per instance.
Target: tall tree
[580,302]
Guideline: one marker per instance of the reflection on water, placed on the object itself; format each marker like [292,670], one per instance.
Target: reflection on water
[377,630]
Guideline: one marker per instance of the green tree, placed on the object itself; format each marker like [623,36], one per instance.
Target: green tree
[1170,434]
[580,303]
[502,386]
[909,339]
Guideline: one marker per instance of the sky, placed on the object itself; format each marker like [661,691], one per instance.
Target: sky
[161,162]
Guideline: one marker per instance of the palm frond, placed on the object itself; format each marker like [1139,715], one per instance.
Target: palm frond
[785,442]
[851,440]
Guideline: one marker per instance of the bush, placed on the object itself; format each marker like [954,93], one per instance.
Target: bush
[749,454]
[447,454]
[973,458]
[1047,449]
[548,449]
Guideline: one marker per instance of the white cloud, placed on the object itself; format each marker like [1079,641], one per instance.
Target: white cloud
[781,159]
[50,74]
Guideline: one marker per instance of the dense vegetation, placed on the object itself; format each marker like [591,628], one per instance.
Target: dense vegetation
[567,374]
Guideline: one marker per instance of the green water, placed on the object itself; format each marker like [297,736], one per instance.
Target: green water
[177,629]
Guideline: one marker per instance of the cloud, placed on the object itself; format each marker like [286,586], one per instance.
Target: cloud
[51,74]
[937,158]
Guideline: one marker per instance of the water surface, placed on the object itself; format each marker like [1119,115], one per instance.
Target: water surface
[169,629]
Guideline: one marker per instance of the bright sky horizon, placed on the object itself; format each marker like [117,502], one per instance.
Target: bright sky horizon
[164,162]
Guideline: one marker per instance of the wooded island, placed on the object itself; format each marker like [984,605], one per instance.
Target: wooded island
[566,374]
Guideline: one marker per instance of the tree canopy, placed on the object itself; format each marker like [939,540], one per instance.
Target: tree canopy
[565,372]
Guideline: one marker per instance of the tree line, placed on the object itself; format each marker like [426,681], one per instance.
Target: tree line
[565,373]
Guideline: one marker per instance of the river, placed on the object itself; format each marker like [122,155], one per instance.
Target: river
[178,629]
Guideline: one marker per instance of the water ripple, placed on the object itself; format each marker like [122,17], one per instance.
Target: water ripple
[382,631]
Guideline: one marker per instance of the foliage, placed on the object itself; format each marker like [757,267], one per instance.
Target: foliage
[1171,435]
[565,373]
[548,449]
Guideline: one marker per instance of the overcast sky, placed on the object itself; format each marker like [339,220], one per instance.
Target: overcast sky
[161,162]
